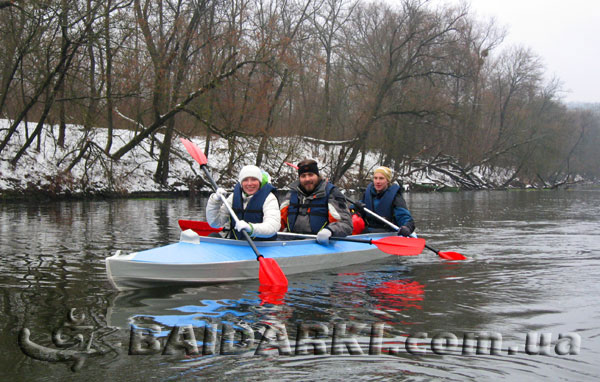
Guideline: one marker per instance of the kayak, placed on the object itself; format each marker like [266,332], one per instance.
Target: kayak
[199,259]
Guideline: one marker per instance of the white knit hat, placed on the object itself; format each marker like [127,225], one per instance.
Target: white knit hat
[250,171]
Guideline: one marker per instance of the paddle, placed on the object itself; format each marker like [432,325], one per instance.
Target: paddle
[269,272]
[393,245]
[443,255]
[201,228]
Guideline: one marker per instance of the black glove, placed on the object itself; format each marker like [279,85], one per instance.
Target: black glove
[404,231]
[359,207]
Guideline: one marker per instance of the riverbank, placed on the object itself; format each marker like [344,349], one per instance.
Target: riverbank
[80,169]
[18,196]
[41,196]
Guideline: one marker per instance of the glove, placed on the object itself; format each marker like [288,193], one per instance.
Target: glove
[360,208]
[215,196]
[323,236]
[242,225]
[404,231]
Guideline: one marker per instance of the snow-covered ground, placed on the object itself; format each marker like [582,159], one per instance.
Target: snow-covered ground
[46,170]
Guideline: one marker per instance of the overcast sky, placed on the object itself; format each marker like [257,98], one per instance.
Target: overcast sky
[565,34]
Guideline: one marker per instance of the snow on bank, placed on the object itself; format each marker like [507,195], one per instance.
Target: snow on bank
[46,170]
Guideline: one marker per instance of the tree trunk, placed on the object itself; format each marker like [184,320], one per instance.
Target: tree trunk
[109,62]
[262,147]
[162,169]
[65,62]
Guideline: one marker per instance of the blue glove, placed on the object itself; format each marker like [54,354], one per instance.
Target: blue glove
[323,236]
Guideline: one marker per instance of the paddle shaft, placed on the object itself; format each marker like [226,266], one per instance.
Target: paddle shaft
[395,227]
[231,212]
[334,238]
[376,216]
[382,219]
[393,245]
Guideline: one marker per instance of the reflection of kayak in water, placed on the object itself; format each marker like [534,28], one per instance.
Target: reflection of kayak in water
[179,306]
[209,260]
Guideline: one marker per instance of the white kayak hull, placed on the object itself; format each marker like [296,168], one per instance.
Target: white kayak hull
[208,260]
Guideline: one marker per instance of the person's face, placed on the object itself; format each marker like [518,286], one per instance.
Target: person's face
[380,182]
[250,185]
[309,181]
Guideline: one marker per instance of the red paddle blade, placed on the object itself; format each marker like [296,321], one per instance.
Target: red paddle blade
[401,246]
[291,165]
[451,255]
[201,228]
[194,151]
[269,272]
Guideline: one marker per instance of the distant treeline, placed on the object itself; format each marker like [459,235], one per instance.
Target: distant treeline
[414,81]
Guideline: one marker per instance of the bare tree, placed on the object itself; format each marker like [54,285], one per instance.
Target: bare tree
[292,20]
[418,86]
[465,91]
[328,21]
[388,51]
[169,41]
[108,72]
[82,28]
[75,30]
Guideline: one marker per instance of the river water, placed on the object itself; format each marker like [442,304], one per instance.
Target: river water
[533,274]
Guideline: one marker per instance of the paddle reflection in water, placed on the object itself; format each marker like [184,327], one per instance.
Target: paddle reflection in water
[387,298]
[272,294]
[399,295]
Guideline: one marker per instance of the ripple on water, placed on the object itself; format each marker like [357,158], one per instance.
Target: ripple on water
[533,265]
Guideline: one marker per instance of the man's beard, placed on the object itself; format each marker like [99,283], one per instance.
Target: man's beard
[310,184]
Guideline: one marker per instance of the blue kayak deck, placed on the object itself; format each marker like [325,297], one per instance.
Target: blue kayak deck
[212,250]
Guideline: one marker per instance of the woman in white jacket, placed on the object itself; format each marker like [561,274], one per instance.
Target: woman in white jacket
[254,202]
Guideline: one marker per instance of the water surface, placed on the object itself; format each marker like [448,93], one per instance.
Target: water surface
[534,266]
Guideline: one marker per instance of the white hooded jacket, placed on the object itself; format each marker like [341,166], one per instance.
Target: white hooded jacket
[218,216]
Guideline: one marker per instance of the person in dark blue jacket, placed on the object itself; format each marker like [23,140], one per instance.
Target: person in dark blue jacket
[385,199]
